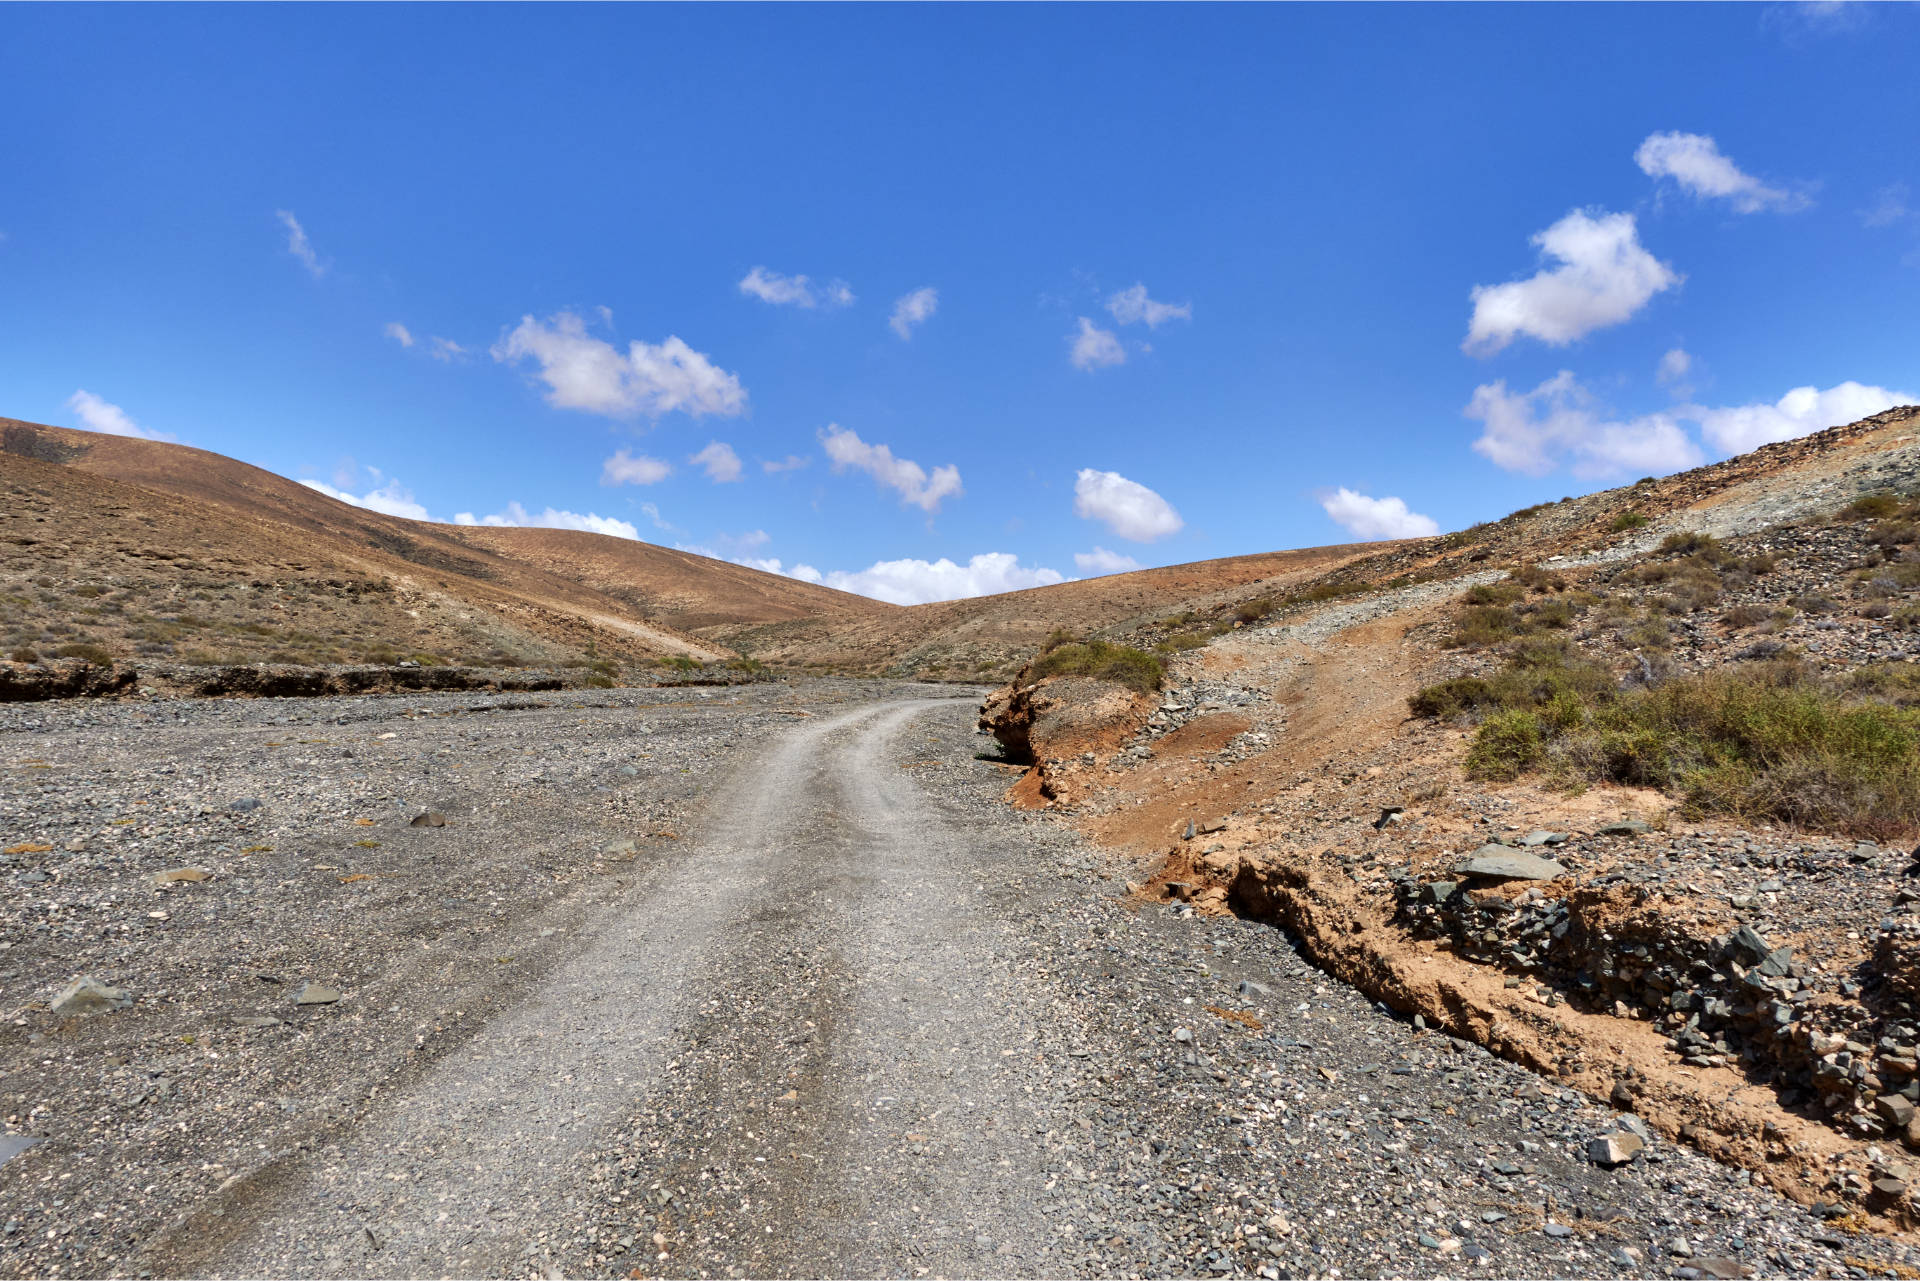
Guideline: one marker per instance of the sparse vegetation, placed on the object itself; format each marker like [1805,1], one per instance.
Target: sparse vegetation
[1136,669]
[1629,520]
[95,654]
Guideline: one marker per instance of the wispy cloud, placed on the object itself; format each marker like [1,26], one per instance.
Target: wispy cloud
[625,468]
[587,373]
[905,477]
[1889,207]
[298,245]
[1696,163]
[399,333]
[1602,277]
[792,462]
[1132,307]
[795,291]
[1093,347]
[910,311]
[99,415]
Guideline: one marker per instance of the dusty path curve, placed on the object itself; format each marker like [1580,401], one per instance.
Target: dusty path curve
[820,843]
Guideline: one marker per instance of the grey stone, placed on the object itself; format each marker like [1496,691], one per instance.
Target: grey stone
[253,1020]
[1513,865]
[1749,946]
[1777,963]
[1713,1266]
[12,1145]
[1390,814]
[1559,1230]
[1614,1149]
[173,874]
[316,994]
[1543,837]
[625,845]
[429,819]
[1626,827]
[1896,1111]
[1439,891]
[90,996]
[245,804]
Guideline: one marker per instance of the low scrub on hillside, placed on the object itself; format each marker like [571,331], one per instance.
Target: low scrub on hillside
[1136,669]
[1767,741]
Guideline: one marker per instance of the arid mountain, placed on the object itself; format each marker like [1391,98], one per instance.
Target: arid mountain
[162,550]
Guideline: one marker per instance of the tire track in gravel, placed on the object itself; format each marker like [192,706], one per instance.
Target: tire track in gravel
[461,1171]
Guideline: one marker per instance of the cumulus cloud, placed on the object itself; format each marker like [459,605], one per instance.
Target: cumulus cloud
[1376,518]
[792,462]
[516,516]
[1102,561]
[902,475]
[1125,507]
[99,415]
[298,245]
[1804,410]
[1561,421]
[390,499]
[720,462]
[1093,347]
[795,291]
[913,309]
[1133,307]
[399,333]
[1696,163]
[588,373]
[917,582]
[1602,278]
[633,469]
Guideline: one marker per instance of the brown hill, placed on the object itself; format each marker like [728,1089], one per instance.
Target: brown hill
[173,552]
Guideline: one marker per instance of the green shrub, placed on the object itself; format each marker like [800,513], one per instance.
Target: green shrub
[1509,744]
[95,654]
[680,663]
[1183,642]
[25,655]
[1451,698]
[1879,506]
[1494,594]
[1254,610]
[1122,664]
[1629,520]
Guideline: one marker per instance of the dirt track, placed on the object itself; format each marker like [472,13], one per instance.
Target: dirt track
[855,1018]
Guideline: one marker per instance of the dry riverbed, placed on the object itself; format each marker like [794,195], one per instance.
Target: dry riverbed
[755,981]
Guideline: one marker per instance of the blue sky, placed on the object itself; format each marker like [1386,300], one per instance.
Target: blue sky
[1084,287]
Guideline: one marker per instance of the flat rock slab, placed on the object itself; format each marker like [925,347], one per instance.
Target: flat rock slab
[1542,837]
[1511,865]
[316,994]
[173,874]
[90,996]
[429,819]
[12,1145]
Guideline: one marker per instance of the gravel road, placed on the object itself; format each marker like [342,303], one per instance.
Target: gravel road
[859,1018]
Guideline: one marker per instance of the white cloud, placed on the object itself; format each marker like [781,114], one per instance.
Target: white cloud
[792,462]
[518,517]
[795,291]
[773,565]
[1102,561]
[1133,307]
[1674,367]
[1126,507]
[902,475]
[1801,411]
[98,415]
[389,499]
[1696,162]
[1094,347]
[1375,518]
[652,511]
[399,333]
[1889,206]
[1604,276]
[1560,421]
[298,245]
[587,373]
[721,463]
[914,309]
[446,349]
[627,469]
[916,582]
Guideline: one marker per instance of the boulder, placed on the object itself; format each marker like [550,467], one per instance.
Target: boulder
[86,995]
[1501,863]
[1614,1149]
